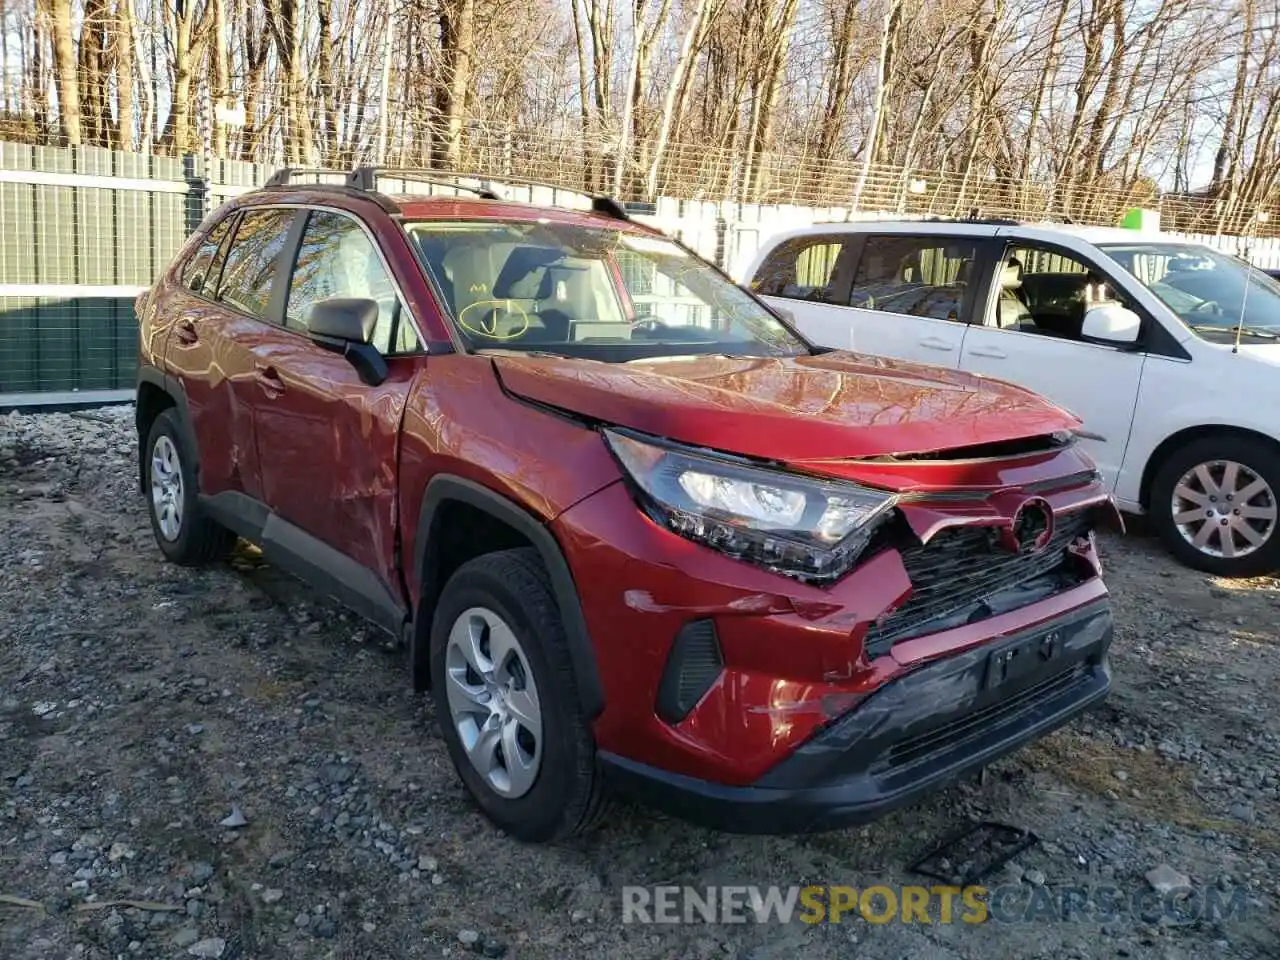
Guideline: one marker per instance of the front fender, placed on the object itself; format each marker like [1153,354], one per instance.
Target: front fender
[446,488]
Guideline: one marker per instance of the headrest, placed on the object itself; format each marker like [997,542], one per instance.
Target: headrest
[519,279]
[1011,274]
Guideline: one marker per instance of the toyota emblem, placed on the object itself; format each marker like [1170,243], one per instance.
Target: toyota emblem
[1031,528]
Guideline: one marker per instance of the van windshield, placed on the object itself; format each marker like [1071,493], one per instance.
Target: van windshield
[591,292]
[1208,290]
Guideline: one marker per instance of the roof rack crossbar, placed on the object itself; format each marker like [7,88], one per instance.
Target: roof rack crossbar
[599,204]
[366,178]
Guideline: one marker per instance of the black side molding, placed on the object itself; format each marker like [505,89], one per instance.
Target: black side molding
[309,559]
[446,488]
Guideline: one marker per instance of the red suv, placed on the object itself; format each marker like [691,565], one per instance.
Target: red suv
[633,529]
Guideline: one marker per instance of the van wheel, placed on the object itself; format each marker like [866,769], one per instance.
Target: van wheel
[182,530]
[1215,504]
[507,703]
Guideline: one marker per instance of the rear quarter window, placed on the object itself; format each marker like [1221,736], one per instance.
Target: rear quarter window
[201,271]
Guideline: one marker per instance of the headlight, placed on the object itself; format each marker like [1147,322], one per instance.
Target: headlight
[810,529]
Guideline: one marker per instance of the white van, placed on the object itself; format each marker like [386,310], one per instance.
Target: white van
[1168,350]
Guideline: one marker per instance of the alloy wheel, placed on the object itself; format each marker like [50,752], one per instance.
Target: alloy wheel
[166,487]
[1224,509]
[493,701]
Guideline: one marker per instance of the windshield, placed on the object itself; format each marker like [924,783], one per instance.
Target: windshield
[1205,288]
[590,292]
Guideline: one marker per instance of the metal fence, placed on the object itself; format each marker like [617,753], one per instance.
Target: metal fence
[84,231]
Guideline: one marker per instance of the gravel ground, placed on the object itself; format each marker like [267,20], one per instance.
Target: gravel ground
[146,710]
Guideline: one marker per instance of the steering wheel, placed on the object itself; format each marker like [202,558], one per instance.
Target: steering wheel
[1211,307]
[484,319]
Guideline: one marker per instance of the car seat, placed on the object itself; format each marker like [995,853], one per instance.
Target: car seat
[1012,309]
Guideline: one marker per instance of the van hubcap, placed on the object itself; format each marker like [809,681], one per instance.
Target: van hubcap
[493,701]
[166,488]
[1224,509]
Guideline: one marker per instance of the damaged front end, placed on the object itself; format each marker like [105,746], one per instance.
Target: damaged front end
[740,656]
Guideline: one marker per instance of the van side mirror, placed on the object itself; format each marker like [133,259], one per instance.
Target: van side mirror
[345,325]
[1111,323]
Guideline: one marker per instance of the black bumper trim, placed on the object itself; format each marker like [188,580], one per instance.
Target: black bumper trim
[911,737]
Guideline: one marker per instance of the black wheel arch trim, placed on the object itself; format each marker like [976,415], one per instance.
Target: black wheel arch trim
[446,488]
[172,387]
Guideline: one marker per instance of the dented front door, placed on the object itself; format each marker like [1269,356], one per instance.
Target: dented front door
[328,446]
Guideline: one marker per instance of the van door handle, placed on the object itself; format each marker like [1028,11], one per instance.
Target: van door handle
[994,352]
[937,343]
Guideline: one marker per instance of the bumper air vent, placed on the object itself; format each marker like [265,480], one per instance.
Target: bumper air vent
[693,665]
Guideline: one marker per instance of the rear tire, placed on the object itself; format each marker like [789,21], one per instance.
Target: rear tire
[1215,504]
[182,530]
[507,702]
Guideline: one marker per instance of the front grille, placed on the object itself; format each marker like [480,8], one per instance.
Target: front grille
[961,572]
[954,733]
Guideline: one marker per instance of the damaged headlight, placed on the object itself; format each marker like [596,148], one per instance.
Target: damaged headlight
[804,527]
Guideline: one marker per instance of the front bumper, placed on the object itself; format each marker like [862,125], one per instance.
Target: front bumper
[913,735]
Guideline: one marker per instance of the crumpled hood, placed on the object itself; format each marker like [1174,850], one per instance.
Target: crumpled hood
[831,406]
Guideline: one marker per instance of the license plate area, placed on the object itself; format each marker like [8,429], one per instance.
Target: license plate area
[1014,661]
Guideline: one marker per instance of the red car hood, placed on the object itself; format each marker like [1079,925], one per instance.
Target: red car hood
[832,406]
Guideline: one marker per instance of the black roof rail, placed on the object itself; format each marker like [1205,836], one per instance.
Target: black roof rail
[366,178]
[284,176]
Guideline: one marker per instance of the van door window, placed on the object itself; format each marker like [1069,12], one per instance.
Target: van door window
[914,276]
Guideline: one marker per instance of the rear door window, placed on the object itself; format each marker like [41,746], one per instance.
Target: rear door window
[806,268]
[255,261]
[915,276]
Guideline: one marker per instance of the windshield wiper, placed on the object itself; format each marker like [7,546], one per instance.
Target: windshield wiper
[522,353]
[1261,333]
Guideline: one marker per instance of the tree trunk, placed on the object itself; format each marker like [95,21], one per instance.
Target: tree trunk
[220,78]
[64,58]
[1222,160]
[840,80]
[622,161]
[457,50]
[676,87]
[126,114]
[887,31]
[1042,86]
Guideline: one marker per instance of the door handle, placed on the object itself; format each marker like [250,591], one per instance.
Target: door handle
[994,352]
[269,381]
[186,333]
[937,343]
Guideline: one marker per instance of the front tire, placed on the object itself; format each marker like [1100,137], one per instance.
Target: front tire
[506,700]
[1214,502]
[183,532]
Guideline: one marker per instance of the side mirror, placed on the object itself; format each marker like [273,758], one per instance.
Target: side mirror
[345,325]
[343,318]
[1111,323]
